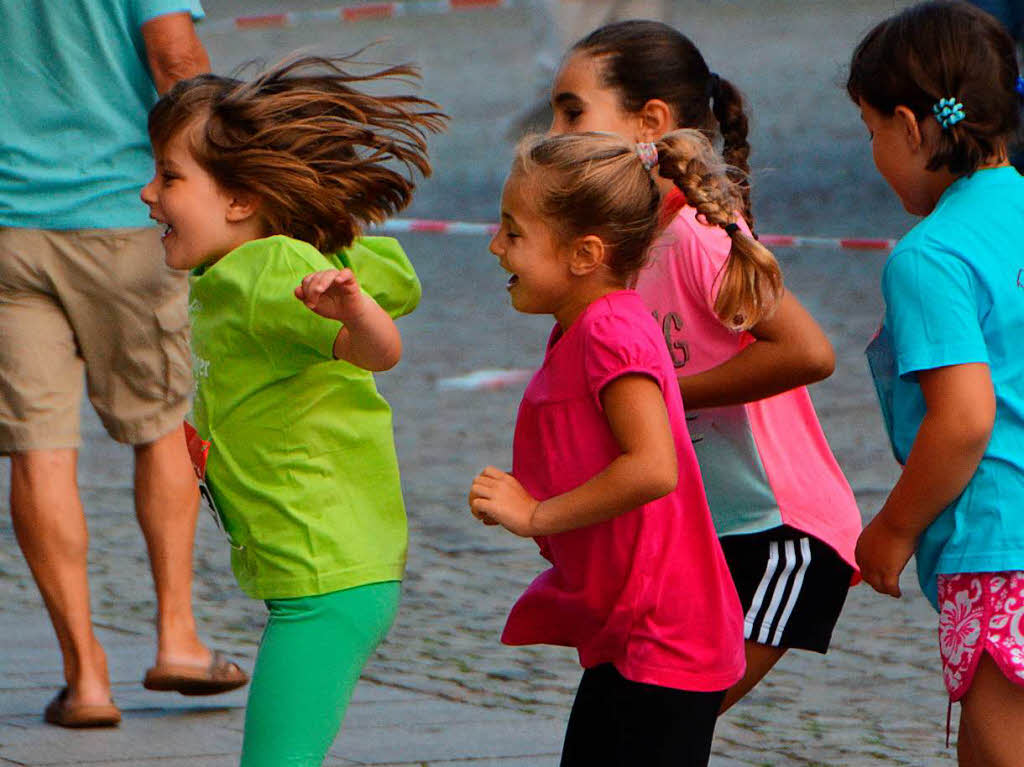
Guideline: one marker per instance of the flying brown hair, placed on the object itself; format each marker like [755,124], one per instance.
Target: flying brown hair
[324,157]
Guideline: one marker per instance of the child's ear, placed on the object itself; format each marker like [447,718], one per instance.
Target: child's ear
[910,127]
[655,120]
[242,206]
[588,254]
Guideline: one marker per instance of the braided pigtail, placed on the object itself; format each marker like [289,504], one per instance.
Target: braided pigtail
[751,281]
[728,108]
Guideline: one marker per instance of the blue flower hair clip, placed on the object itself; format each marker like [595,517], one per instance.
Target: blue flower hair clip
[1019,86]
[948,112]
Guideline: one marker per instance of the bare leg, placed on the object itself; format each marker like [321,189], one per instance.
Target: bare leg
[49,523]
[167,503]
[964,749]
[760,659]
[993,712]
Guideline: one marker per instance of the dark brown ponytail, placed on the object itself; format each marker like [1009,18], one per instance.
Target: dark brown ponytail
[644,60]
[728,108]
[942,50]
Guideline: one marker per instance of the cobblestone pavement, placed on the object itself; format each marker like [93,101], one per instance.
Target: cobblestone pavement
[442,677]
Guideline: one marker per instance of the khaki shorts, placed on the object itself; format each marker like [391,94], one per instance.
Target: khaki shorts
[100,301]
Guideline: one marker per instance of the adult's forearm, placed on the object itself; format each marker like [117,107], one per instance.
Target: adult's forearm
[173,50]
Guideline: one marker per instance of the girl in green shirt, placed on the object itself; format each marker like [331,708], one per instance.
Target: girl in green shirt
[263,188]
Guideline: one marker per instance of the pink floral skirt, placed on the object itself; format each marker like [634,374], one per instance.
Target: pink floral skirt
[980,612]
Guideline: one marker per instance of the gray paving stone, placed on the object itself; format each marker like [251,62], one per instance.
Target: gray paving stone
[451,742]
[142,735]
[535,760]
[428,711]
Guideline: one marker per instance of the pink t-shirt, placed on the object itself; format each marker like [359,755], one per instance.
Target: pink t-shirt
[648,590]
[765,463]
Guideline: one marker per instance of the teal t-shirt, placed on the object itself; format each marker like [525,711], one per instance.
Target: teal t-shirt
[302,462]
[954,294]
[75,92]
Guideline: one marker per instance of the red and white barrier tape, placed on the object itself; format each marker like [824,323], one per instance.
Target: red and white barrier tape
[845,243]
[406,225]
[349,13]
[386,10]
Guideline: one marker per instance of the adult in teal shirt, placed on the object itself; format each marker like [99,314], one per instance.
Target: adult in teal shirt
[83,287]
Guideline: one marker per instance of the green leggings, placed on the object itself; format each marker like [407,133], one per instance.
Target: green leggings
[309,660]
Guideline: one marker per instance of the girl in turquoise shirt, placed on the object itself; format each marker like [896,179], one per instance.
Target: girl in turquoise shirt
[938,88]
[263,187]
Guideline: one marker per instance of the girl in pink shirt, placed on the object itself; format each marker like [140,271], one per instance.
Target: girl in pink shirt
[604,475]
[743,349]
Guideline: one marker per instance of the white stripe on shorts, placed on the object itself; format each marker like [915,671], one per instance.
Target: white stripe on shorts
[762,587]
[794,569]
[798,582]
[780,589]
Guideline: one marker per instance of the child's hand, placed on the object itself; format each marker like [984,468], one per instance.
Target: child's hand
[485,518]
[882,552]
[497,498]
[332,293]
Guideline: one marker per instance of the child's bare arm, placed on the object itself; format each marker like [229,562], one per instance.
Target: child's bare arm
[960,411]
[791,350]
[647,469]
[368,338]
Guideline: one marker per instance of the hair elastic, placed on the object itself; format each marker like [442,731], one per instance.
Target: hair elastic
[648,152]
[731,228]
[714,86]
[948,112]
[1019,86]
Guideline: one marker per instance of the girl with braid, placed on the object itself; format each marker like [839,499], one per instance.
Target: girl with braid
[743,348]
[939,92]
[263,187]
[604,475]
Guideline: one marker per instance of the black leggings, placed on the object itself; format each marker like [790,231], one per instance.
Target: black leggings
[619,723]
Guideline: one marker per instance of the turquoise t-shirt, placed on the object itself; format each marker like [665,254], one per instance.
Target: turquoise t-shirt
[302,462]
[75,92]
[954,294]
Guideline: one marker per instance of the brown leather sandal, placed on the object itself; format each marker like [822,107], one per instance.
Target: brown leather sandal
[62,712]
[220,676]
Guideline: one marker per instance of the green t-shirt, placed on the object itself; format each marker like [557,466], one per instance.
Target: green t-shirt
[302,463]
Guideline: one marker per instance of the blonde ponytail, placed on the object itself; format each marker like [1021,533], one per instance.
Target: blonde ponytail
[751,281]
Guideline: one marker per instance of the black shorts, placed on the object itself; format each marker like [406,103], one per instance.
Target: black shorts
[616,722]
[791,585]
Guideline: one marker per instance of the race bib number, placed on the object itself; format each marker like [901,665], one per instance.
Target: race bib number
[198,450]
